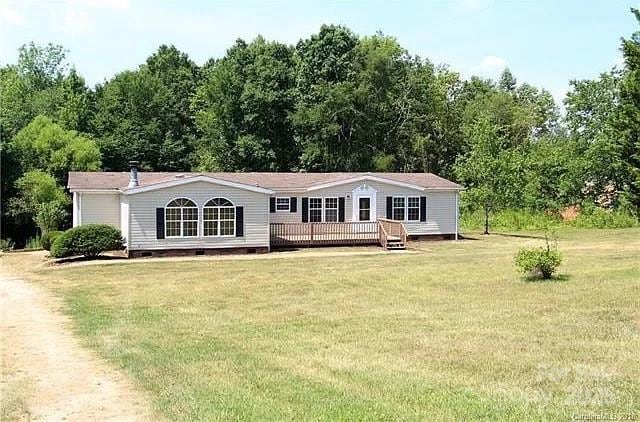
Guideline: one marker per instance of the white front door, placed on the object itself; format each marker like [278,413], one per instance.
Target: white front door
[364,203]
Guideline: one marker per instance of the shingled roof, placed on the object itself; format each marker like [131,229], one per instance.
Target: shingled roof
[277,181]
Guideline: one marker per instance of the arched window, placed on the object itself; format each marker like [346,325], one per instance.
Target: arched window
[181,218]
[219,218]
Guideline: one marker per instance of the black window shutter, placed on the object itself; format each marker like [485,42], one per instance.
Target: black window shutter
[272,204]
[159,223]
[239,221]
[423,208]
[341,208]
[390,207]
[305,210]
[293,204]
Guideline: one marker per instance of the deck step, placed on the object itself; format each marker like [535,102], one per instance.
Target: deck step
[395,245]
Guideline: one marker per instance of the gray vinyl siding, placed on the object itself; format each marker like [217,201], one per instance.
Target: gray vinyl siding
[288,216]
[441,206]
[142,212]
[100,209]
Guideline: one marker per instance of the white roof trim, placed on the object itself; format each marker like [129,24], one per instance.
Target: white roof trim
[198,178]
[362,178]
[109,191]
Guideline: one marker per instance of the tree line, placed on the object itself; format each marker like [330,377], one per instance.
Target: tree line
[333,102]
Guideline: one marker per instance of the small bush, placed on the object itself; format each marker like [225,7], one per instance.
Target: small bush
[542,261]
[49,238]
[7,245]
[89,240]
[34,242]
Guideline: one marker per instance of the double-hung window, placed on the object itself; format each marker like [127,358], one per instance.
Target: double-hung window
[315,210]
[181,218]
[283,204]
[398,208]
[219,218]
[413,208]
[330,210]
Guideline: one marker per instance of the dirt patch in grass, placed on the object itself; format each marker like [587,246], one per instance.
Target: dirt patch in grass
[46,375]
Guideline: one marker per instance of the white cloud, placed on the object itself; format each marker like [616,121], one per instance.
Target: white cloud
[9,15]
[78,16]
[75,21]
[491,66]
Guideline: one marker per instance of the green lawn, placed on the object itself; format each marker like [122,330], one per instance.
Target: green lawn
[451,332]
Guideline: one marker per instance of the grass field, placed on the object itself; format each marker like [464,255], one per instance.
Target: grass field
[449,332]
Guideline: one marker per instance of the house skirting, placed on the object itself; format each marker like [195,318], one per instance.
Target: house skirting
[142,253]
[450,236]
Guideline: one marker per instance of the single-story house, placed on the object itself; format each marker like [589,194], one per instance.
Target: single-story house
[202,213]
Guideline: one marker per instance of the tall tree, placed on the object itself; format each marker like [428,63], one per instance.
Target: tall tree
[437,140]
[180,76]
[132,122]
[144,114]
[325,108]
[490,169]
[45,146]
[507,81]
[31,87]
[628,120]
[592,107]
[41,199]
[243,109]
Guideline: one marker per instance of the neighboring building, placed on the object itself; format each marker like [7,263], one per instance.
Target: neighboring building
[201,213]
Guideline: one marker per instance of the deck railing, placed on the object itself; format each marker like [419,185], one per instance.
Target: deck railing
[310,234]
[391,229]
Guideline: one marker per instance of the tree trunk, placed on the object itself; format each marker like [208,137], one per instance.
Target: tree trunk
[486,220]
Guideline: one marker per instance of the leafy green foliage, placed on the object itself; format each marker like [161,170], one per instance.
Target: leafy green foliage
[628,118]
[144,114]
[489,170]
[592,108]
[539,261]
[49,237]
[49,216]
[6,245]
[37,190]
[34,242]
[596,217]
[243,108]
[510,220]
[45,146]
[89,240]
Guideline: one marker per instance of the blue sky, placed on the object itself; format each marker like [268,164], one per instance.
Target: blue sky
[544,42]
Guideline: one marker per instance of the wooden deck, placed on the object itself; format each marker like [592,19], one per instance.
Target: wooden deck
[384,233]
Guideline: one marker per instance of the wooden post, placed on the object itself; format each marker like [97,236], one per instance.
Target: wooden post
[311,238]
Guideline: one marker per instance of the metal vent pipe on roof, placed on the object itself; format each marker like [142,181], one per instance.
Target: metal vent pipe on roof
[133,174]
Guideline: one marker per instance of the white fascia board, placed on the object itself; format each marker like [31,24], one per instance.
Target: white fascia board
[444,189]
[97,191]
[199,178]
[363,178]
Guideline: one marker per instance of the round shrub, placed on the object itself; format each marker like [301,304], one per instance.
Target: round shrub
[89,240]
[47,239]
[541,261]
